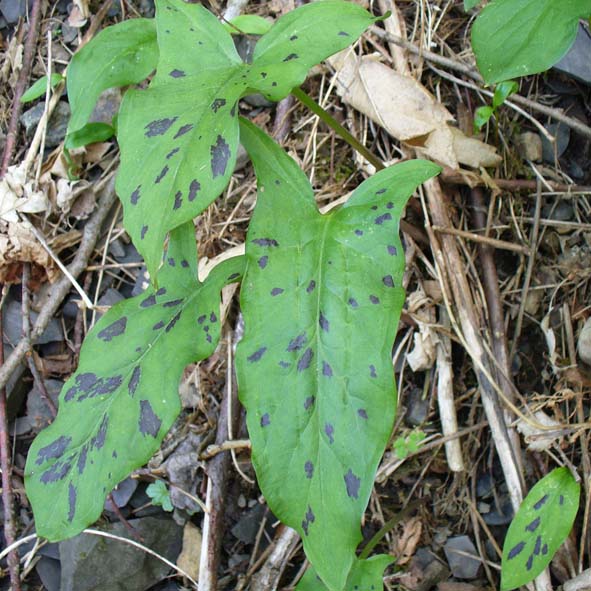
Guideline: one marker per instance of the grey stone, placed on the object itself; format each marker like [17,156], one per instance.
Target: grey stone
[418,408]
[121,494]
[248,525]
[107,106]
[462,566]
[576,62]
[69,33]
[484,486]
[56,128]
[562,211]
[39,414]
[49,572]
[561,134]
[584,342]
[13,325]
[12,10]
[92,563]
[499,516]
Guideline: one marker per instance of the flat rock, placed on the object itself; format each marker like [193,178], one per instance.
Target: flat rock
[39,414]
[49,572]
[58,122]
[561,134]
[93,563]
[576,62]
[12,10]
[462,566]
[12,320]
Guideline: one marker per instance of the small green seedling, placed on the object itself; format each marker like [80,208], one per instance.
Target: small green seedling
[513,38]
[503,90]
[404,446]
[38,89]
[542,523]
[160,495]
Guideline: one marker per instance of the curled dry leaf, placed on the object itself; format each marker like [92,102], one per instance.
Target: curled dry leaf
[408,112]
[406,544]
[17,193]
[538,439]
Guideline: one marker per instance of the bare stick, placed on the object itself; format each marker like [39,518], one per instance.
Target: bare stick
[6,465]
[62,287]
[501,244]
[445,397]
[21,85]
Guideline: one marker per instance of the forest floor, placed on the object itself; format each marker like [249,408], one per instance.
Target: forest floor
[491,346]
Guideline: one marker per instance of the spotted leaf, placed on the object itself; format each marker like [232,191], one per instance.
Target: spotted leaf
[117,407]
[365,575]
[314,367]
[123,54]
[542,523]
[179,137]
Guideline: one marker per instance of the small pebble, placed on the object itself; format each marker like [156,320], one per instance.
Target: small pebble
[529,145]
[584,343]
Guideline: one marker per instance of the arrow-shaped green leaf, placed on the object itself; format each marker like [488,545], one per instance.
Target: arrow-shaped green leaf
[117,407]
[179,137]
[542,523]
[321,300]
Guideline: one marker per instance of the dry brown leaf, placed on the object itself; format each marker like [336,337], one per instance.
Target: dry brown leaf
[188,559]
[19,194]
[407,111]
[407,542]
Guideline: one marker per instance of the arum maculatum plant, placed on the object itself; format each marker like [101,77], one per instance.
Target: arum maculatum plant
[321,294]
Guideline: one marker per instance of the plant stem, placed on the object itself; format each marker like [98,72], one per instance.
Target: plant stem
[309,102]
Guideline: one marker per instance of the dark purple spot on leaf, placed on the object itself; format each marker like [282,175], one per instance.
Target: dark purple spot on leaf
[323,322]
[158,325]
[256,356]
[162,174]
[372,371]
[134,380]
[57,472]
[265,242]
[149,301]
[311,286]
[161,291]
[374,207]
[71,502]
[309,469]
[220,154]
[233,110]
[530,562]
[352,483]
[149,422]
[265,420]
[177,74]
[114,454]
[201,319]
[284,364]
[561,500]
[171,324]
[233,276]
[172,153]
[309,402]
[297,343]
[308,519]
[305,360]
[135,195]
[545,549]
[213,317]
[389,205]
[533,525]
[185,264]
[539,504]
[382,218]
[538,545]
[277,291]
[208,338]
[98,440]
[329,430]
[159,126]
[291,56]
[143,232]
[171,262]
[178,200]
[274,84]
[516,550]
[113,330]
[217,104]
[343,34]
[362,413]
[353,303]
[194,188]
[374,299]
[53,450]
[172,303]
[82,459]
[293,37]
[392,250]
[326,370]
[388,281]
[262,262]
[183,130]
